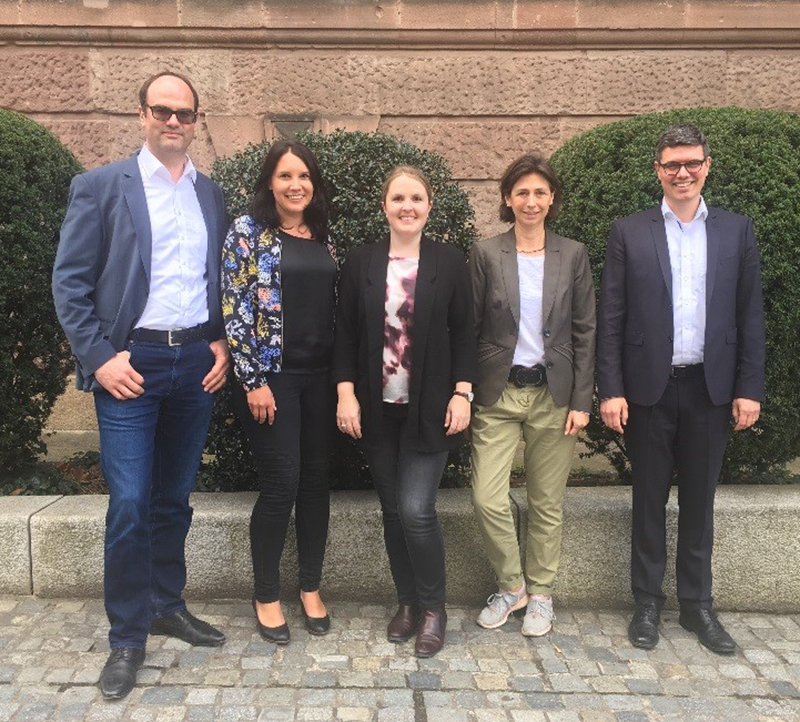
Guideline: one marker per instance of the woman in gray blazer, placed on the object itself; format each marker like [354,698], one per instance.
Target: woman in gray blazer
[535,323]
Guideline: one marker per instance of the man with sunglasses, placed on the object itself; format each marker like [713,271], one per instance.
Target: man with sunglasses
[136,287]
[680,349]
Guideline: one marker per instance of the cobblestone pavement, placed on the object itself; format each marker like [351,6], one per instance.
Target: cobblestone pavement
[51,652]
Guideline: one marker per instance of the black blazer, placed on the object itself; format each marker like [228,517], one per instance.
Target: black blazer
[442,337]
[635,328]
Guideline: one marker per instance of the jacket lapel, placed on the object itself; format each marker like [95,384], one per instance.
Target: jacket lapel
[424,296]
[662,249]
[205,197]
[552,272]
[133,189]
[712,254]
[510,271]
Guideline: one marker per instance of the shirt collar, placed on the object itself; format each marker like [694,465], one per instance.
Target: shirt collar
[150,165]
[667,212]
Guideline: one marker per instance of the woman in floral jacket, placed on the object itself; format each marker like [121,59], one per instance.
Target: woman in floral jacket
[278,298]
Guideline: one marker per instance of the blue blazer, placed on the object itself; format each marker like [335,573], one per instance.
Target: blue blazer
[635,328]
[101,277]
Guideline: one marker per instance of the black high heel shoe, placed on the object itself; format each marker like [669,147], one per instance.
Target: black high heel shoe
[278,635]
[318,626]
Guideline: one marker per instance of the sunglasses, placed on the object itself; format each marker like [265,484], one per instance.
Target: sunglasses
[185,116]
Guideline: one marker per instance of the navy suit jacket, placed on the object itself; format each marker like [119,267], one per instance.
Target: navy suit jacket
[101,278]
[635,322]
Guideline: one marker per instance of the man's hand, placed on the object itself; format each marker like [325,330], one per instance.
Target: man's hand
[119,378]
[576,420]
[216,377]
[262,404]
[745,413]
[614,413]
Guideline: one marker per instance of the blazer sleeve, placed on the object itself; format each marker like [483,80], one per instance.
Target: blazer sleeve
[584,328]
[238,287]
[345,345]
[611,317]
[750,383]
[477,273]
[463,343]
[77,267]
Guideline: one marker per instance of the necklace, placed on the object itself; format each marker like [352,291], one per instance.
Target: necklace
[301,229]
[531,250]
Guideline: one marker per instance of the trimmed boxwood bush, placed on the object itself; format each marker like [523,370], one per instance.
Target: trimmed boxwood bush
[354,166]
[608,172]
[35,172]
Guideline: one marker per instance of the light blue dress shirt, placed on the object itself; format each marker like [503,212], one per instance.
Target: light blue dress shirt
[688,259]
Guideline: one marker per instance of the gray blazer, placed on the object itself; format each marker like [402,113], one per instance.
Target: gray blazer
[568,315]
[101,277]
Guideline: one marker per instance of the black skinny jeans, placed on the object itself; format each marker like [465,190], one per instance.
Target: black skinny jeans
[292,458]
[407,482]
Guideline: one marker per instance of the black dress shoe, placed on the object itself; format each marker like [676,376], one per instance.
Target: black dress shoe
[119,675]
[276,635]
[709,630]
[318,626]
[403,624]
[189,628]
[643,629]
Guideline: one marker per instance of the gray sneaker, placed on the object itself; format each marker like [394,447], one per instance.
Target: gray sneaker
[539,616]
[499,606]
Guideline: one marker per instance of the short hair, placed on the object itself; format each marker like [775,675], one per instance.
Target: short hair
[412,172]
[682,134]
[147,83]
[263,209]
[534,162]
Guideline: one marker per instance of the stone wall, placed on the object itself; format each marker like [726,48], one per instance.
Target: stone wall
[479,81]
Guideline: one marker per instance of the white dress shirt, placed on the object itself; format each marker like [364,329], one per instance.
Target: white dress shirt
[688,259]
[178,296]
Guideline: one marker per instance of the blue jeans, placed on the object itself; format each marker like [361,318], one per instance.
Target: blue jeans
[150,450]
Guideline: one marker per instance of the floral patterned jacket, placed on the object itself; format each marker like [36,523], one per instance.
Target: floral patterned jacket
[251,300]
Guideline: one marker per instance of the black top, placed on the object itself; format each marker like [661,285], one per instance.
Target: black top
[308,285]
[443,339]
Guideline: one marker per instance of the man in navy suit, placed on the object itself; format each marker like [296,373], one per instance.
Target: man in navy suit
[680,348]
[136,288]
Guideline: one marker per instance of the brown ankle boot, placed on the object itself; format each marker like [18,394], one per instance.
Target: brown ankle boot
[404,623]
[430,634]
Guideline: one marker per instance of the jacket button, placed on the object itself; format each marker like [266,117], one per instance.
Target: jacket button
[669,337]
[546,333]
[549,364]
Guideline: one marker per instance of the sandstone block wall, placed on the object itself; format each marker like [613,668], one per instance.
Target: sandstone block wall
[479,81]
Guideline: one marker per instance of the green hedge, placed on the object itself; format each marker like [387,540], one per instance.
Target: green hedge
[607,172]
[35,172]
[354,166]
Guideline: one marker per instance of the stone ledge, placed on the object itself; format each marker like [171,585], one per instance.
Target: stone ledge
[757,531]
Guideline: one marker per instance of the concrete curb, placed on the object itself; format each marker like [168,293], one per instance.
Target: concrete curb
[54,548]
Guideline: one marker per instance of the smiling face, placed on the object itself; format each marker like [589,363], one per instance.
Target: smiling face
[406,206]
[530,200]
[292,188]
[682,190]
[167,139]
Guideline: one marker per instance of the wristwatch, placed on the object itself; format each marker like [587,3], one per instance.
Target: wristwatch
[468,395]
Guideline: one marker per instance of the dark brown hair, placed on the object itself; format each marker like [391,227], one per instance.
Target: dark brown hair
[147,83]
[529,163]
[263,209]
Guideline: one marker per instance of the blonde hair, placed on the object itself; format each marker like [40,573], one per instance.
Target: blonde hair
[410,171]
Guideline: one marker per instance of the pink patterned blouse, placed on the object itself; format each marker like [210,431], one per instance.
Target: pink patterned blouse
[401,282]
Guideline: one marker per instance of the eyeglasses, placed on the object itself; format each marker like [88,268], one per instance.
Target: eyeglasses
[185,116]
[673,167]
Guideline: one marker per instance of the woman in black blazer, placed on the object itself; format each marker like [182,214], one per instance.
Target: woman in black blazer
[404,363]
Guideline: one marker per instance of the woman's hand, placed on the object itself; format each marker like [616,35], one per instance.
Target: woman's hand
[348,411]
[576,420]
[262,404]
[457,417]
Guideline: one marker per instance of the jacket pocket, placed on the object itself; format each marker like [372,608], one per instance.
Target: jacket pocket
[566,350]
[635,338]
[732,335]
[488,350]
